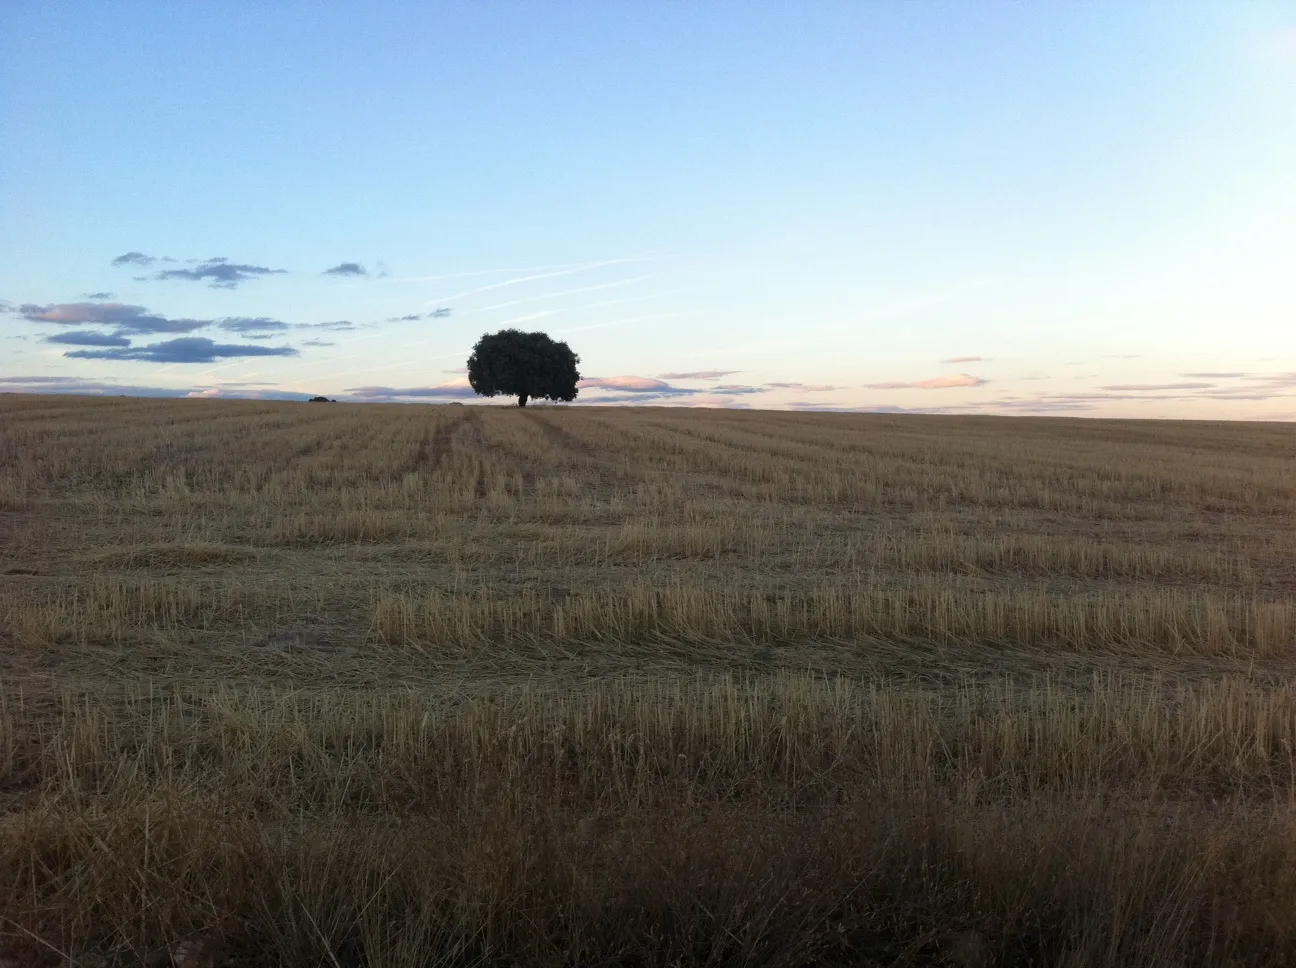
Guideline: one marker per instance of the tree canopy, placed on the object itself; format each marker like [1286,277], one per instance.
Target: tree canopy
[524,365]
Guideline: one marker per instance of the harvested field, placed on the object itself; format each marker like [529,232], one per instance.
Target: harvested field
[367,685]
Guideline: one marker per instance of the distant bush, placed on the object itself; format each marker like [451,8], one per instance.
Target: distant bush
[321,400]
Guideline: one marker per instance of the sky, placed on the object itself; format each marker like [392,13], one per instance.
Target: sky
[1054,208]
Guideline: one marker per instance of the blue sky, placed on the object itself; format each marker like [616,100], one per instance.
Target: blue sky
[980,207]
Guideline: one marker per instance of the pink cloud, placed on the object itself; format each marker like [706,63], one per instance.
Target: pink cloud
[966,359]
[634,384]
[946,382]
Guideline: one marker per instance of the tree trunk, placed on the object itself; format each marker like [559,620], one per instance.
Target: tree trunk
[522,399]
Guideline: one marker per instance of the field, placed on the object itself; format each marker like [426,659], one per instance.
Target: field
[344,685]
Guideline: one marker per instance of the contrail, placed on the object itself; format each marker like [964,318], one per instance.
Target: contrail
[561,292]
[622,321]
[495,272]
[583,267]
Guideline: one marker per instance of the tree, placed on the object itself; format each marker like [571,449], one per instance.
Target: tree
[524,365]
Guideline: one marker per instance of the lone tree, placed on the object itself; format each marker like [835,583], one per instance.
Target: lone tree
[524,365]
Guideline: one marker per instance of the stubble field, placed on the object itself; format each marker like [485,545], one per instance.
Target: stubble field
[384,685]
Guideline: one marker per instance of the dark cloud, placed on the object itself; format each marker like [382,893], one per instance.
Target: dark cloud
[699,375]
[97,295]
[346,269]
[134,259]
[188,349]
[404,319]
[127,319]
[88,338]
[222,273]
[253,324]
[441,313]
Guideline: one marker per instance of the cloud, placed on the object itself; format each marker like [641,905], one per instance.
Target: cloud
[6,307]
[188,349]
[127,319]
[632,384]
[947,382]
[97,295]
[699,375]
[337,326]
[412,317]
[635,398]
[67,384]
[1119,387]
[346,269]
[223,273]
[803,386]
[134,259]
[88,338]
[1216,376]
[447,391]
[738,389]
[253,324]
[318,342]
[966,359]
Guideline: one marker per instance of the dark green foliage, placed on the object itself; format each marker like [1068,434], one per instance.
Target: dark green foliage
[524,365]
[321,400]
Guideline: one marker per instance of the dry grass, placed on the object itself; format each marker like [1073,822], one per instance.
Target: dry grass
[411,685]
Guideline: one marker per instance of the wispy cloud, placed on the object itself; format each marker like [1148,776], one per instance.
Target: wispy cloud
[699,375]
[337,326]
[317,342]
[134,259]
[738,389]
[188,349]
[222,273]
[97,295]
[947,382]
[346,269]
[440,313]
[1122,387]
[446,391]
[966,359]
[815,387]
[1232,375]
[253,324]
[66,384]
